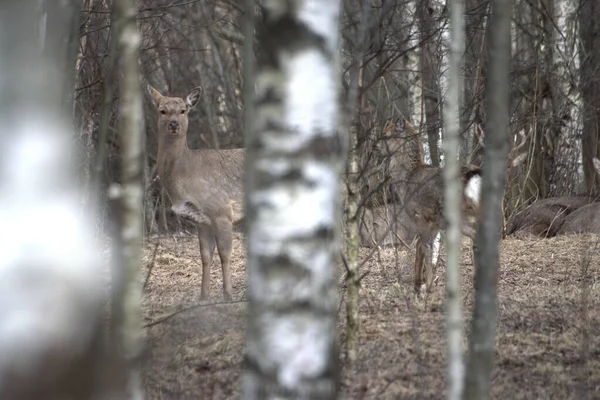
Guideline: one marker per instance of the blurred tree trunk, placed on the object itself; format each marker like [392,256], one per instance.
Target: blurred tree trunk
[52,301]
[61,44]
[564,177]
[589,33]
[452,205]
[294,164]
[127,302]
[482,340]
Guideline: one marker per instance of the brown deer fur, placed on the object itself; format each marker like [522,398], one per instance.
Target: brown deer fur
[204,186]
[420,188]
[585,219]
[386,226]
[544,217]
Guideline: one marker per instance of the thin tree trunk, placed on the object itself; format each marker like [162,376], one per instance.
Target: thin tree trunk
[127,312]
[354,192]
[294,162]
[430,66]
[452,204]
[475,16]
[589,32]
[413,67]
[481,344]
[564,177]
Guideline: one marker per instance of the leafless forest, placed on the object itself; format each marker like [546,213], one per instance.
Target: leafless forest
[451,169]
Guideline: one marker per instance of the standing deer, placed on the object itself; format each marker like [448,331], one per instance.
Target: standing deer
[420,189]
[205,186]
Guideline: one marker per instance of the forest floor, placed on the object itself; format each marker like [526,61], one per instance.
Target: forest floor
[547,335]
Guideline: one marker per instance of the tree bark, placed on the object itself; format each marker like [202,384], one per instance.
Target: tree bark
[564,177]
[589,33]
[127,305]
[430,64]
[481,344]
[475,17]
[354,190]
[294,162]
[452,204]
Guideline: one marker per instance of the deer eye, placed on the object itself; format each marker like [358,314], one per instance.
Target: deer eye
[163,112]
[182,111]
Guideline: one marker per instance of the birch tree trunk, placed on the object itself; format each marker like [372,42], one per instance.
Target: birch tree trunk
[51,298]
[354,190]
[127,311]
[452,204]
[294,163]
[564,177]
[430,63]
[444,47]
[481,343]
[413,67]
[589,34]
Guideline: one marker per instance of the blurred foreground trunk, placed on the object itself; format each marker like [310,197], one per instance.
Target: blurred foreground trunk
[127,301]
[51,268]
[452,202]
[481,344]
[294,164]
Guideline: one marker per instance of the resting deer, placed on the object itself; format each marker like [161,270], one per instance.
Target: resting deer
[420,189]
[585,219]
[205,186]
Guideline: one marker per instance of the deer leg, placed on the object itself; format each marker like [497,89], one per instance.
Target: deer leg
[437,244]
[224,245]
[418,267]
[206,241]
[428,262]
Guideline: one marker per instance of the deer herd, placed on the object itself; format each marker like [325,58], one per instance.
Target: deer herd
[206,187]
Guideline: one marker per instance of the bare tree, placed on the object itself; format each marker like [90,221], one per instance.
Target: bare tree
[481,343]
[352,209]
[589,32]
[453,193]
[564,52]
[294,163]
[127,312]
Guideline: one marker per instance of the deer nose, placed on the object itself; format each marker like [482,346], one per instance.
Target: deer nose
[173,124]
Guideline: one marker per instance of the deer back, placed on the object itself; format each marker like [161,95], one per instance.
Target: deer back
[583,220]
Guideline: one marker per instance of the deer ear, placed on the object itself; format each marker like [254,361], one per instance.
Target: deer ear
[156,96]
[193,96]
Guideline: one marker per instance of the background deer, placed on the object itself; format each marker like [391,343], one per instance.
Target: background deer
[585,219]
[559,215]
[420,188]
[205,186]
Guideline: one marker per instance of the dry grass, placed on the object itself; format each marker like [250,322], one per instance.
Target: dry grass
[548,341]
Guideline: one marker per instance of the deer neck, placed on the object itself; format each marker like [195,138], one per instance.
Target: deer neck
[170,151]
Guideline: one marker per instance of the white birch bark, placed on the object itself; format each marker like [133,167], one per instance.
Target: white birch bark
[294,163]
[413,67]
[452,202]
[51,301]
[444,69]
[353,185]
[564,177]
